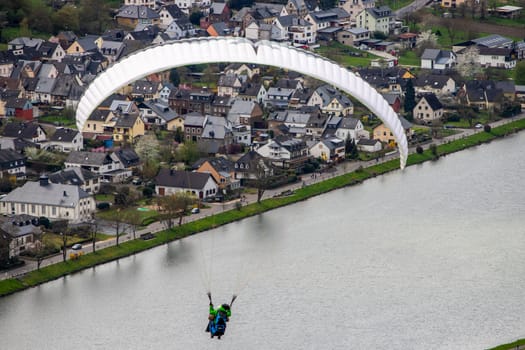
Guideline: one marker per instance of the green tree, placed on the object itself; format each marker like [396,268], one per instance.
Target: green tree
[67,18]
[410,98]
[195,18]
[96,16]
[519,73]
[187,153]
[174,77]
[38,15]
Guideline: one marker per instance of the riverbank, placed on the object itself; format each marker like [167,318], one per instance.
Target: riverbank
[128,248]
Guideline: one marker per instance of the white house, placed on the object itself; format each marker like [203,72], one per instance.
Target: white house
[201,185]
[438,59]
[428,108]
[66,140]
[54,201]
[328,150]
[285,151]
[351,129]
[97,162]
[369,145]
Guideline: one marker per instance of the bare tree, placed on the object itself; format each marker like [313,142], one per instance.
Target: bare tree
[172,207]
[134,221]
[263,173]
[63,235]
[93,230]
[118,224]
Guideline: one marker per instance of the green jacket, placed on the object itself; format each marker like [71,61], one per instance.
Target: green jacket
[220,308]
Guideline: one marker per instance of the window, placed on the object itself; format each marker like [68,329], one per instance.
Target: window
[53,210]
[33,208]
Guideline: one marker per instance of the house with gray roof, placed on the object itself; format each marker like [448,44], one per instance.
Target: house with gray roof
[328,150]
[245,113]
[331,101]
[200,185]
[438,59]
[229,85]
[54,201]
[87,180]
[51,51]
[285,152]
[376,19]
[27,131]
[12,163]
[351,129]
[65,140]
[96,162]
[428,108]
[156,113]
[44,90]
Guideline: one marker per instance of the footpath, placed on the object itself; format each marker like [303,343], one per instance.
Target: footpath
[214,208]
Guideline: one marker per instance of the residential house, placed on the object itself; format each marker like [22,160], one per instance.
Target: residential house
[298,7]
[252,92]
[127,127]
[508,11]
[96,162]
[127,158]
[130,16]
[20,108]
[27,131]
[216,135]
[242,135]
[482,94]
[149,3]
[278,97]
[258,31]
[146,90]
[252,166]
[85,179]
[285,152]
[221,169]
[66,140]
[376,19]
[219,29]
[180,28]
[369,145]
[316,123]
[452,3]
[7,63]
[441,85]
[353,36]
[293,29]
[428,108]
[351,129]
[83,45]
[438,59]
[12,164]
[497,57]
[245,69]
[186,6]
[229,85]
[156,113]
[407,40]
[165,91]
[112,50]
[168,14]
[245,113]
[218,12]
[193,126]
[99,121]
[185,101]
[54,201]
[331,101]
[200,185]
[385,135]
[221,105]
[19,232]
[44,90]
[328,150]
[393,100]
[50,51]
[354,7]
[332,18]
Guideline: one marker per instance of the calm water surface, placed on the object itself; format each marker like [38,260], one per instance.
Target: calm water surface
[429,258]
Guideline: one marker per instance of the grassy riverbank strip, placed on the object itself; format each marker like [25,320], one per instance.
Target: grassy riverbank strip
[128,248]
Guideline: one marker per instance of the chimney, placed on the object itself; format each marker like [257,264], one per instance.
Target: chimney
[44,180]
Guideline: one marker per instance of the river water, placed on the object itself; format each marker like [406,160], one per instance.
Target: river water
[428,258]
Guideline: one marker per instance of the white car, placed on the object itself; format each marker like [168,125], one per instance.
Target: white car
[195,211]
[77,246]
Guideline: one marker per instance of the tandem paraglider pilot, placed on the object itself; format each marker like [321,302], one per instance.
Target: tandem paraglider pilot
[218,317]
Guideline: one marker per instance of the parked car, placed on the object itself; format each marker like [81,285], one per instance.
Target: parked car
[76,246]
[195,211]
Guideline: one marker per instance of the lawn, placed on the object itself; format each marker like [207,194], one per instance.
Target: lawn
[409,58]
[342,54]
[58,120]
[105,198]
[396,4]
[146,217]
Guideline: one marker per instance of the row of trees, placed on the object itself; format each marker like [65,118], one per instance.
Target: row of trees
[50,16]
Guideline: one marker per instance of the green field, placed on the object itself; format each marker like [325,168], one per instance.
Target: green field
[342,54]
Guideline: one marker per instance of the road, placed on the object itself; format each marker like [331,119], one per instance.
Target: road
[215,208]
[414,6]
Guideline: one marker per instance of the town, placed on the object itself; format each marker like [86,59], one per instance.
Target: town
[182,141]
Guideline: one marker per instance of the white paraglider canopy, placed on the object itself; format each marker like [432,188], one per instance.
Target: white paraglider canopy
[239,50]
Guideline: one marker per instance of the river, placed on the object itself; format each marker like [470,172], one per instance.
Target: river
[431,257]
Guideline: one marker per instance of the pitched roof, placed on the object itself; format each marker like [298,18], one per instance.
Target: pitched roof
[128,157]
[64,135]
[22,130]
[88,158]
[72,176]
[137,12]
[9,155]
[52,194]
[432,101]
[220,164]
[181,179]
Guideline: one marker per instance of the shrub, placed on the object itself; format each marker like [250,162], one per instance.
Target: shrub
[419,149]
[487,128]
[103,206]
[147,192]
